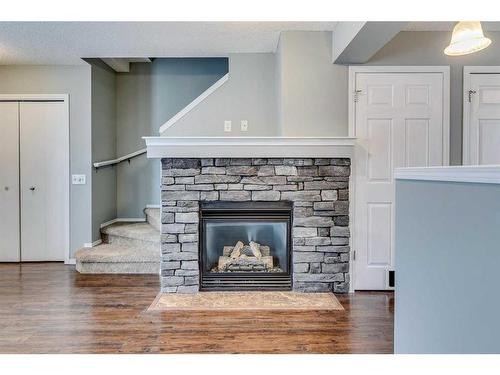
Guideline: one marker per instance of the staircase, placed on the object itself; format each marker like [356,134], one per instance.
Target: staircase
[126,248]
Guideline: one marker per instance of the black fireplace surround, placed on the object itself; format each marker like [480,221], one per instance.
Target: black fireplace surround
[230,232]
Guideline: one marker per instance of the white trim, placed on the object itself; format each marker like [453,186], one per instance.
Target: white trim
[71,261]
[352,180]
[465,115]
[240,147]
[485,174]
[120,159]
[153,206]
[193,104]
[352,221]
[35,97]
[93,244]
[399,68]
[124,220]
[468,70]
[353,70]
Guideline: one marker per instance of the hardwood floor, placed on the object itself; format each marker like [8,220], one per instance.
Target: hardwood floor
[50,308]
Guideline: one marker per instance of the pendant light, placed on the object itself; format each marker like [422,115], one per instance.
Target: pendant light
[467,38]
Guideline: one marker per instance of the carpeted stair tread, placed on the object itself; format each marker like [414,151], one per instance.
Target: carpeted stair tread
[153,217]
[112,253]
[137,231]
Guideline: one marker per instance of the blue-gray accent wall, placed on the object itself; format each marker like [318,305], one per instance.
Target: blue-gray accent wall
[447,267]
[146,97]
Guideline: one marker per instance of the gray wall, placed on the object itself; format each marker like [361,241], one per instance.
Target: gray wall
[313,90]
[447,263]
[249,94]
[103,144]
[277,85]
[75,81]
[426,48]
[296,91]
[135,185]
[146,98]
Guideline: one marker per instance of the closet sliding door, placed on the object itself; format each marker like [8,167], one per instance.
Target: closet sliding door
[44,186]
[9,182]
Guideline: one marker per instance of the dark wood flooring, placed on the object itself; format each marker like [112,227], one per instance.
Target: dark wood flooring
[50,308]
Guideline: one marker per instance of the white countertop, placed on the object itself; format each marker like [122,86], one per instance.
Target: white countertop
[488,174]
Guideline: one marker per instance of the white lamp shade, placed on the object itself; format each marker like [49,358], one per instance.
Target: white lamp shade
[467,38]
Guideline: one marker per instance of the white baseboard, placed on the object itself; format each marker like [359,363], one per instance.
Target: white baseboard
[123,220]
[70,261]
[153,206]
[93,244]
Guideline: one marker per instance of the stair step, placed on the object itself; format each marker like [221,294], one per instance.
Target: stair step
[117,258]
[116,254]
[140,235]
[153,217]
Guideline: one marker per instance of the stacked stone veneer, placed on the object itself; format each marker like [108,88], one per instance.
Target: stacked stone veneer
[318,189]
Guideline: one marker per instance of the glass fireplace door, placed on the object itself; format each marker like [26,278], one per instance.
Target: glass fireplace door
[245,246]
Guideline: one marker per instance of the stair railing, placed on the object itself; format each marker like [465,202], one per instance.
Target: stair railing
[128,157]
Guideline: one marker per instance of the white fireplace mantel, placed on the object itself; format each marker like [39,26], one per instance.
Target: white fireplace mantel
[249,147]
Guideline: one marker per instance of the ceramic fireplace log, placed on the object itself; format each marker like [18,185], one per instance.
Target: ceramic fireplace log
[236,253]
[264,250]
[245,263]
[255,247]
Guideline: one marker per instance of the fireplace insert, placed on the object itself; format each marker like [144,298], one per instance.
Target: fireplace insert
[245,245]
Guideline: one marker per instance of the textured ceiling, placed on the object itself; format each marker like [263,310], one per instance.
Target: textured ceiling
[446,26]
[68,42]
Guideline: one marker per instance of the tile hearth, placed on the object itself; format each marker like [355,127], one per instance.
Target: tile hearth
[317,189]
[245,301]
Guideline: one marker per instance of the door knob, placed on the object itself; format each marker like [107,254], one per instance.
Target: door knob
[32,188]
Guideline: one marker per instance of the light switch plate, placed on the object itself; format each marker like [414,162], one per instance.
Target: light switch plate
[244,125]
[78,179]
[227,126]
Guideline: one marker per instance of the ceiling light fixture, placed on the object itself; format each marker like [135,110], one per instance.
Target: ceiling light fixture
[467,38]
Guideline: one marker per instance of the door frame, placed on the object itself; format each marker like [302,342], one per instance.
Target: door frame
[353,71]
[65,99]
[468,71]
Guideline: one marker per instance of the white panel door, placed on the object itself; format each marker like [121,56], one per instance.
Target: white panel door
[483,138]
[9,182]
[398,123]
[44,189]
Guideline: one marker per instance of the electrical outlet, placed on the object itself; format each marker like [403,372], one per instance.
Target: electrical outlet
[78,179]
[244,125]
[227,126]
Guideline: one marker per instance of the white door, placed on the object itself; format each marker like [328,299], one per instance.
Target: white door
[398,123]
[44,187]
[482,128]
[9,182]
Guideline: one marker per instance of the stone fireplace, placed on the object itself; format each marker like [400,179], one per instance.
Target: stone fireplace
[261,223]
